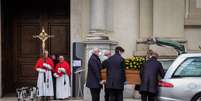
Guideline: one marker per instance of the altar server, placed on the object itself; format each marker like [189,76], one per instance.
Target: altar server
[62,74]
[44,67]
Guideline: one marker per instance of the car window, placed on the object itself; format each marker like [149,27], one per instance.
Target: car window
[191,67]
[166,63]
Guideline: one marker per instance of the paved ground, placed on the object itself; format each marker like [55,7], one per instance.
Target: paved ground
[14,99]
[129,93]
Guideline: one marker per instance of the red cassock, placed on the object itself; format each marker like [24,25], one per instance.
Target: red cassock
[64,65]
[40,62]
[44,82]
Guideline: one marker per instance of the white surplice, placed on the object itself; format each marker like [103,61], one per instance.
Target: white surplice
[63,87]
[45,88]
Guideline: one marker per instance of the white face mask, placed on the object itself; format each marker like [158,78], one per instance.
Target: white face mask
[105,57]
[99,54]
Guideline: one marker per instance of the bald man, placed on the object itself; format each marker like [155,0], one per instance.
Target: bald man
[107,53]
[93,76]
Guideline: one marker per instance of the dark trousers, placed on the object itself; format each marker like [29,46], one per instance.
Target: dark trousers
[116,94]
[45,98]
[147,96]
[95,94]
[107,94]
[54,85]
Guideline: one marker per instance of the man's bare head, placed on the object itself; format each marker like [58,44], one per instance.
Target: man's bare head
[61,58]
[107,53]
[154,54]
[46,53]
[96,51]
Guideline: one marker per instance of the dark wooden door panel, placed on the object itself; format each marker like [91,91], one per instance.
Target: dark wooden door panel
[25,40]
[26,51]
[60,43]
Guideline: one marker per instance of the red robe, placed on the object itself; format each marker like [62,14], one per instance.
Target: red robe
[44,82]
[64,65]
[40,62]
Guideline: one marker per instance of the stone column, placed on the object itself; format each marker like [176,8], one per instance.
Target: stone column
[97,29]
[146,26]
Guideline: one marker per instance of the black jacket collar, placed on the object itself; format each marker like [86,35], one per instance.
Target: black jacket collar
[117,54]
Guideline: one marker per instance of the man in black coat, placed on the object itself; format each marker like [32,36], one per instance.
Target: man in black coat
[93,77]
[116,75]
[149,73]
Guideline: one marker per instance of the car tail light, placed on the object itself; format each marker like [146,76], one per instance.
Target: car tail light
[165,84]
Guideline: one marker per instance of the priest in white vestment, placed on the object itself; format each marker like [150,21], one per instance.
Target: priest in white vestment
[62,74]
[44,67]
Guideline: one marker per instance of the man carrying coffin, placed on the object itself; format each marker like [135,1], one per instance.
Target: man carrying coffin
[116,75]
[62,74]
[93,75]
[44,67]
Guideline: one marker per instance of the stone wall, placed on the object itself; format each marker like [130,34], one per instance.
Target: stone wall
[126,24]
[162,19]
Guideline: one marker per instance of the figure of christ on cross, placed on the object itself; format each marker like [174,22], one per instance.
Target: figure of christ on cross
[43,36]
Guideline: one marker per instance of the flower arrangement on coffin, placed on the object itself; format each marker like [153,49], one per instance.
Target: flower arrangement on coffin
[134,63]
[132,66]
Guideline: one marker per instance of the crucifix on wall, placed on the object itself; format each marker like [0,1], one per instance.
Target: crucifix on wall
[43,36]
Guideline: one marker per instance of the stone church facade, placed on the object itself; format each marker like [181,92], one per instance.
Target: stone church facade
[129,23]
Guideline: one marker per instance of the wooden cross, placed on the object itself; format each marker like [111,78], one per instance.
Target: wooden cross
[43,36]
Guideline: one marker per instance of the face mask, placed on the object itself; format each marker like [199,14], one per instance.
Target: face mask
[105,57]
[99,54]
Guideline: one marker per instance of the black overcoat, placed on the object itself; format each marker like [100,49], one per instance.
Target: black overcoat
[116,72]
[149,73]
[93,75]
